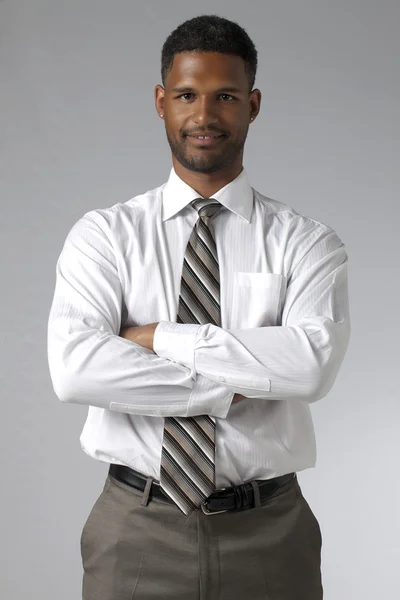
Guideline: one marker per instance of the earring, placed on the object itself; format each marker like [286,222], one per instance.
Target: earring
[162,116]
[251,118]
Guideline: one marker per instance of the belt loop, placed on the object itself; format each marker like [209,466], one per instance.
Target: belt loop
[146,493]
[257,501]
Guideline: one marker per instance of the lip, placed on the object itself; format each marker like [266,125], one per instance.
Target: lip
[205,143]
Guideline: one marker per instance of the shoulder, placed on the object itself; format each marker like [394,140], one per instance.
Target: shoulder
[301,238]
[291,222]
[120,218]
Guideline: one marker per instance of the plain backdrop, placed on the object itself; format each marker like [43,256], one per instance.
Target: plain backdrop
[79,131]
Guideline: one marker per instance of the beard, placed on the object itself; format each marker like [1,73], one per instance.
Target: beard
[206,160]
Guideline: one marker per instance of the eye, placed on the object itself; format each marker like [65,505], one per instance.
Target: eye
[227,96]
[187,94]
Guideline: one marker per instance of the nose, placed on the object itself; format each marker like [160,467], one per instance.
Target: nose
[205,111]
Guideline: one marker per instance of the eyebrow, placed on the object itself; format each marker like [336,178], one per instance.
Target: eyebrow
[234,90]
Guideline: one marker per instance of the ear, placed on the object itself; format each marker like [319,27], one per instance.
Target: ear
[159,94]
[255,103]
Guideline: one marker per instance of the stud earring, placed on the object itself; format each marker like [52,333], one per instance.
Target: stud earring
[162,116]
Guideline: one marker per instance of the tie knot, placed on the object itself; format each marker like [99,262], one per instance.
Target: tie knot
[206,207]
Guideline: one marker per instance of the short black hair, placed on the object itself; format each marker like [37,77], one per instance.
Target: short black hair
[210,33]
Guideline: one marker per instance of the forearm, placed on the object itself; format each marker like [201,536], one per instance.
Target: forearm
[293,370]
[144,336]
[296,360]
[91,364]
[96,368]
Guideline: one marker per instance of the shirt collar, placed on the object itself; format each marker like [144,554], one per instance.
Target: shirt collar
[237,196]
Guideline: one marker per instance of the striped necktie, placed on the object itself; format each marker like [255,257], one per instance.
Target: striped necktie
[187,472]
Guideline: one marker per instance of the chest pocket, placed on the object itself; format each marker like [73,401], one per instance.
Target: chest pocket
[257,299]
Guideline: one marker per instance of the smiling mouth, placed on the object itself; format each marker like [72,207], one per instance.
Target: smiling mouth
[206,137]
[205,140]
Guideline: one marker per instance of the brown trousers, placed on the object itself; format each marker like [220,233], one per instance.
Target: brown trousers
[136,549]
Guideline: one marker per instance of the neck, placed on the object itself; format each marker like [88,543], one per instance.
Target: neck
[207,184]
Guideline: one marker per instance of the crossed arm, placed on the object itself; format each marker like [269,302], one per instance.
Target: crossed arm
[144,336]
[197,369]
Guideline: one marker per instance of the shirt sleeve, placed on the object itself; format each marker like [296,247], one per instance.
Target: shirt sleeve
[298,359]
[90,363]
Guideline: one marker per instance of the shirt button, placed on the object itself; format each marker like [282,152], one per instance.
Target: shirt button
[221,378]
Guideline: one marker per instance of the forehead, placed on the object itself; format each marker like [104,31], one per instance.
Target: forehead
[206,68]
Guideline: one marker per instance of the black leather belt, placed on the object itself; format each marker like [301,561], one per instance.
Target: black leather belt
[238,497]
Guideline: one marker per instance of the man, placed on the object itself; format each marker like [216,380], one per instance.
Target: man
[198,322]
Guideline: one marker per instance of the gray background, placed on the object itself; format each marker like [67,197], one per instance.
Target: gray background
[79,131]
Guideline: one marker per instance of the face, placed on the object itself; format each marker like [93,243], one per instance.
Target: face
[207,94]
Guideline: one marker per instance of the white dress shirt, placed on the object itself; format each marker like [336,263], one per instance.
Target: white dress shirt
[284,329]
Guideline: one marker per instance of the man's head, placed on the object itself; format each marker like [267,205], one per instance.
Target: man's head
[208,69]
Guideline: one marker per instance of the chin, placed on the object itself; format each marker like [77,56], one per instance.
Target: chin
[206,169]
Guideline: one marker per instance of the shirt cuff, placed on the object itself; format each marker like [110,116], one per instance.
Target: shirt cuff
[209,398]
[176,342]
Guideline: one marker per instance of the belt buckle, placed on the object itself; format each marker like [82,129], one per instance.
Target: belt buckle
[210,512]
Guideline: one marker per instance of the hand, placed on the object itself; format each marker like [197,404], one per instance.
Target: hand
[142,335]
[238,397]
